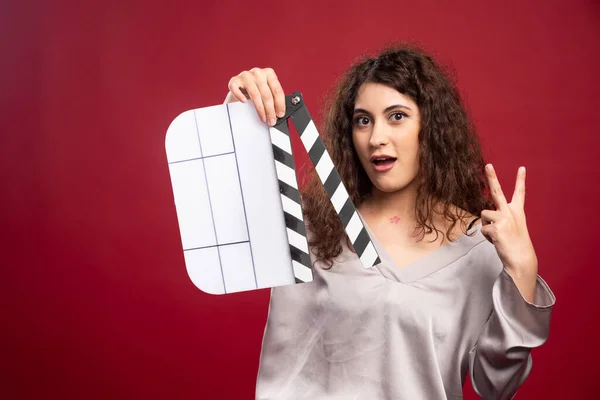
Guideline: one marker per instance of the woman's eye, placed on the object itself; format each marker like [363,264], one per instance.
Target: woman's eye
[398,116]
[362,121]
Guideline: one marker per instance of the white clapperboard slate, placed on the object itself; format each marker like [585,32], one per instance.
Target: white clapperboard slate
[237,201]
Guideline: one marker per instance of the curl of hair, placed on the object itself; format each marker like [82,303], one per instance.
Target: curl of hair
[451,165]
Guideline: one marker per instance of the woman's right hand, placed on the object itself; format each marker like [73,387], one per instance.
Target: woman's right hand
[262,87]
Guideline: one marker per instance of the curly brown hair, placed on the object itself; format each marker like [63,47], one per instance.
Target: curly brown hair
[451,165]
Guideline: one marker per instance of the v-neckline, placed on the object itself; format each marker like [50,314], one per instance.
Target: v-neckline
[430,262]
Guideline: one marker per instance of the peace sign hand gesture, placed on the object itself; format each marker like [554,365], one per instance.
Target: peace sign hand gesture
[506,229]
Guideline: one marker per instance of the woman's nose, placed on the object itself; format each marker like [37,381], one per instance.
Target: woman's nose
[379,135]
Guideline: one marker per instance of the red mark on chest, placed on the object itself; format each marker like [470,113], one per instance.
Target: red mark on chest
[394,219]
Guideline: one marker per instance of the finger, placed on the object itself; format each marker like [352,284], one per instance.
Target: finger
[260,77]
[278,93]
[268,102]
[490,216]
[489,232]
[255,96]
[245,93]
[495,188]
[519,193]
[236,89]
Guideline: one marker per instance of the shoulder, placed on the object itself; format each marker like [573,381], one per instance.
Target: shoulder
[477,252]
[483,257]
[465,222]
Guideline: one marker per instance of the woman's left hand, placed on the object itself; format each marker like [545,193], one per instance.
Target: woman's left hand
[506,229]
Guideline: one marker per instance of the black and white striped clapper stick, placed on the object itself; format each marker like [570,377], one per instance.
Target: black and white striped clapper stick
[330,178]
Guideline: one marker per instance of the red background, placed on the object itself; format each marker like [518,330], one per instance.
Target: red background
[95,298]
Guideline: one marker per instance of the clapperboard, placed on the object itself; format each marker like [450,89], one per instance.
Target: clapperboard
[237,200]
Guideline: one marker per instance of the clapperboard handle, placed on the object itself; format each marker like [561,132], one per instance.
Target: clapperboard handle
[330,178]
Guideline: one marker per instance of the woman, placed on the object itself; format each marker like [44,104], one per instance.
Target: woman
[457,289]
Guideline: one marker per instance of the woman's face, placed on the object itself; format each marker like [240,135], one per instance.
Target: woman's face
[385,133]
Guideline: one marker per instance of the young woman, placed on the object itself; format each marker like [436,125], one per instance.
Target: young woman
[457,288]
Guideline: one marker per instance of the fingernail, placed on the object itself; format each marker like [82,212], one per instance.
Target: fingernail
[280,114]
[272,122]
[490,167]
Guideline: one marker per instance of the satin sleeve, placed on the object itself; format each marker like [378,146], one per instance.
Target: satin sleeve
[500,361]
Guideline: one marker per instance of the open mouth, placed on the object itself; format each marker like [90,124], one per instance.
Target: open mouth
[383,161]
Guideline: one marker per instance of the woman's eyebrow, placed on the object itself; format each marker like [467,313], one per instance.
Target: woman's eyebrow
[390,108]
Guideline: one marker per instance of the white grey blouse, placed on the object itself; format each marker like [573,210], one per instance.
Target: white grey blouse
[409,333]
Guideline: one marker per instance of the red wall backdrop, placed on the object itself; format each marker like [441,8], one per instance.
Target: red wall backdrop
[95,298]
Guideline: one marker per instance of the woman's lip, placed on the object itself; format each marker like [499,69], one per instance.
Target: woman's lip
[383,168]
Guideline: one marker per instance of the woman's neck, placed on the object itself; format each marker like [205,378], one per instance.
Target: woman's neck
[399,209]
[397,206]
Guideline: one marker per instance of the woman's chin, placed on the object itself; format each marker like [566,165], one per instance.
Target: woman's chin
[389,188]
